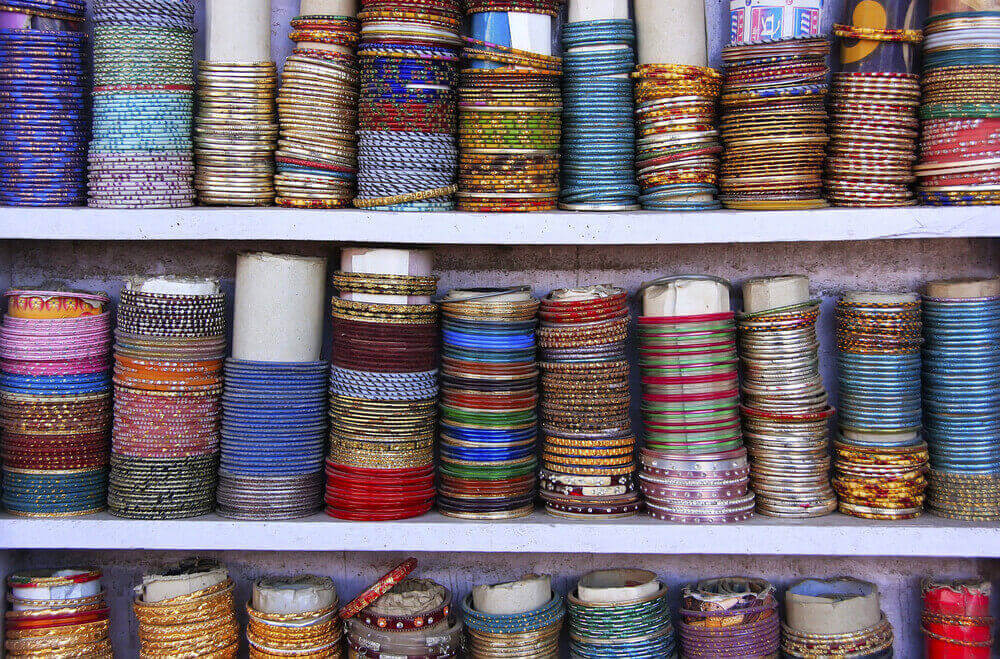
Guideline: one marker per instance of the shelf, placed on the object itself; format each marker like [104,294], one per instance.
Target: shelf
[553,228]
[834,535]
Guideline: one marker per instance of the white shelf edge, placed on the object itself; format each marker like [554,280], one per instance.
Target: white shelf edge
[834,535]
[547,228]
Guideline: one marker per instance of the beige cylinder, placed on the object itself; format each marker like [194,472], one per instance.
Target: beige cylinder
[763,293]
[597,10]
[671,32]
[292,596]
[527,594]
[328,8]
[963,288]
[179,580]
[279,307]
[685,297]
[622,585]
[239,31]
[832,606]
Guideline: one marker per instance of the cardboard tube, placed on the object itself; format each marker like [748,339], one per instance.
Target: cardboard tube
[239,31]
[173,285]
[597,10]
[763,293]
[328,8]
[181,579]
[671,32]
[685,297]
[530,593]
[279,307]
[963,288]
[616,585]
[290,596]
[832,606]
[382,261]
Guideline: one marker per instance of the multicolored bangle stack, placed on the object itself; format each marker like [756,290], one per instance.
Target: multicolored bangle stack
[406,121]
[960,160]
[509,122]
[880,459]
[961,412]
[507,629]
[588,449]
[678,148]
[43,124]
[297,618]
[188,611]
[839,617]
[140,155]
[55,402]
[168,378]
[57,613]
[383,396]
[956,620]
[785,409]
[317,112]
[773,124]
[598,162]
[235,133]
[694,466]
[729,617]
[620,613]
[402,617]
[873,122]
[487,466]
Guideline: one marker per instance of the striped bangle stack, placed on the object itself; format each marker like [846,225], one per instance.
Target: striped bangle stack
[961,375]
[487,462]
[140,155]
[881,460]
[598,163]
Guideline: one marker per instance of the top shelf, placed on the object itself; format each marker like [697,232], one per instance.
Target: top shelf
[550,228]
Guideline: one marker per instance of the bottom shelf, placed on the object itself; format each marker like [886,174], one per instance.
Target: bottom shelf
[833,535]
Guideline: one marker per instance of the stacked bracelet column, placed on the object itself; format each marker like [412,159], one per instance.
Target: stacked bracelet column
[880,458]
[509,108]
[317,113]
[55,402]
[383,386]
[140,155]
[773,124]
[694,465]
[956,619]
[406,119]
[487,466]
[169,350]
[588,448]
[620,613]
[961,375]
[44,121]
[960,114]
[729,617]
[785,409]
[598,163]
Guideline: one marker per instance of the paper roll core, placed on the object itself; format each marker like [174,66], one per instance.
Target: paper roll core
[289,596]
[328,8]
[671,32]
[832,606]
[685,297]
[181,579]
[958,289]
[763,293]
[530,593]
[617,585]
[239,31]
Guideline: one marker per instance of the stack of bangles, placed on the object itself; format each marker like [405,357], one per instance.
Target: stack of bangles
[960,159]
[55,402]
[530,634]
[774,124]
[487,465]
[60,613]
[406,120]
[873,642]
[598,130]
[620,613]
[316,158]
[880,458]
[956,620]
[383,398]
[143,102]
[168,382]
[729,617]
[198,623]
[44,119]
[402,617]
[509,123]
[588,448]
[961,375]
[678,148]
[694,466]
[295,618]
[785,410]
